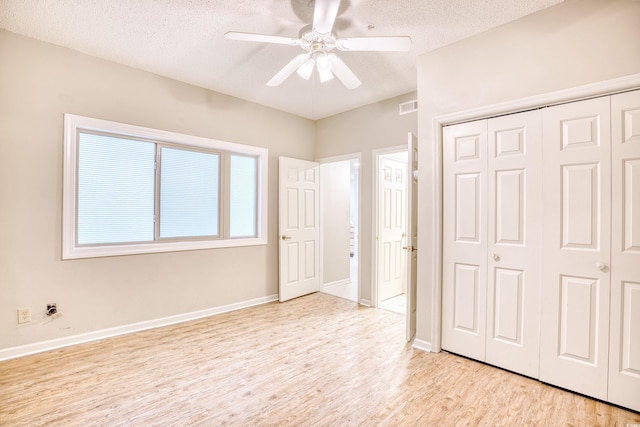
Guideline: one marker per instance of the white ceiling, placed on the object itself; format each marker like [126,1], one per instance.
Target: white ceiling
[184,40]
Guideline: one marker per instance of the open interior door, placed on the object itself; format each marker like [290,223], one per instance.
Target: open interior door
[392,217]
[412,232]
[299,232]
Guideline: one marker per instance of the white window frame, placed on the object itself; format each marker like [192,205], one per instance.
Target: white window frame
[73,124]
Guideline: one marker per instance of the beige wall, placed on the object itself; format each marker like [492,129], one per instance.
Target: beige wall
[363,130]
[574,43]
[38,83]
[335,203]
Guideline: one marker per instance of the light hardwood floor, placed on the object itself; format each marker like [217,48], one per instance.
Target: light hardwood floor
[314,361]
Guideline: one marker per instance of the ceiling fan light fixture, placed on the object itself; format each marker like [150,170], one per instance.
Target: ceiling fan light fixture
[306,69]
[322,61]
[324,68]
[325,74]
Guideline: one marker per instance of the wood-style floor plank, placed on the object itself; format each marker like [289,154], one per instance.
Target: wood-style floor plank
[314,361]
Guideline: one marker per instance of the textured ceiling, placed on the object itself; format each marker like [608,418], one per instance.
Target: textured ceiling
[184,40]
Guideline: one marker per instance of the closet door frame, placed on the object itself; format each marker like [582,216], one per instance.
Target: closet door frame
[433,247]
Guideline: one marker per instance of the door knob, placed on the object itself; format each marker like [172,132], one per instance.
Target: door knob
[601,266]
[286,237]
[496,257]
[410,248]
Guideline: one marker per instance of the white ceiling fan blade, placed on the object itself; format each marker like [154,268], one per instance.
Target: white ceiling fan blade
[324,15]
[262,38]
[287,70]
[343,73]
[386,44]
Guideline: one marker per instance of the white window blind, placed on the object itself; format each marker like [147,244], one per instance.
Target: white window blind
[243,196]
[189,193]
[114,173]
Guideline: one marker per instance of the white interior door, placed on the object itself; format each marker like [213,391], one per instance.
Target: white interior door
[464,289]
[514,241]
[624,359]
[412,233]
[299,231]
[574,345]
[392,189]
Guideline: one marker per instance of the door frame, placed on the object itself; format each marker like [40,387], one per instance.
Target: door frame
[432,258]
[344,157]
[376,154]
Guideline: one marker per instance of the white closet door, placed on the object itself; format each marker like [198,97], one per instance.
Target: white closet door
[624,360]
[574,346]
[514,239]
[464,239]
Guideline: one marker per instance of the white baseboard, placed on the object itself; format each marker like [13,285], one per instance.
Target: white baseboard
[365,302]
[39,347]
[421,345]
[343,282]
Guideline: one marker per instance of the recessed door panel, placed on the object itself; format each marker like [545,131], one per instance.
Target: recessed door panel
[509,209]
[292,253]
[630,344]
[311,210]
[508,291]
[631,124]
[467,147]
[466,298]
[631,204]
[311,175]
[580,206]
[580,132]
[310,258]
[510,142]
[293,174]
[386,211]
[386,261]
[508,312]
[578,315]
[293,209]
[467,207]
[398,207]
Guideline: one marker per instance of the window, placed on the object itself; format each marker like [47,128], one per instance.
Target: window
[129,190]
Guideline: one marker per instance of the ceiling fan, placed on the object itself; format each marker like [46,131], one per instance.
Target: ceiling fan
[317,45]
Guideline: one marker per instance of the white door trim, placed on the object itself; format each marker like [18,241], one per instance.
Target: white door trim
[374,209]
[603,88]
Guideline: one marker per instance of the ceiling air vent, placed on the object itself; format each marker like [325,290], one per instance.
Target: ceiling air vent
[408,107]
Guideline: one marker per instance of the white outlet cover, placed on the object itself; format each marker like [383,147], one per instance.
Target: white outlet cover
[24,315]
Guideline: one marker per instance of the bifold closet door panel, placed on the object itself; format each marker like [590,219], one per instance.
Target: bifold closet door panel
[514,241]
[464,239]
[624,359]
[574,345]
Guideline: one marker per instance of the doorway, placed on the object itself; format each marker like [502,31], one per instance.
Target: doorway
[340,224]
[390,266]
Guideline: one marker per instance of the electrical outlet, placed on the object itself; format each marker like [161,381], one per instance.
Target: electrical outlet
[24,315]
[52,309]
